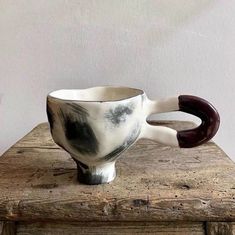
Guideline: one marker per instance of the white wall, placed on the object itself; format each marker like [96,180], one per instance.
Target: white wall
[166,47]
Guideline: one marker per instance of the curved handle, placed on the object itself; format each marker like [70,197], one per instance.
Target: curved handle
[185,138]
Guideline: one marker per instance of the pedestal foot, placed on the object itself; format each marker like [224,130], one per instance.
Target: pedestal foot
[98,174]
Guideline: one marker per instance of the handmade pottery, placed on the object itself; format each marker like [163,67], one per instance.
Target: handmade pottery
[96,125]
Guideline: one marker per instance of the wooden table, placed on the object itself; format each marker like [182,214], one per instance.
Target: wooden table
[158,190]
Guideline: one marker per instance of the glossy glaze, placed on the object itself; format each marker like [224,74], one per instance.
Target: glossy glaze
[96,125]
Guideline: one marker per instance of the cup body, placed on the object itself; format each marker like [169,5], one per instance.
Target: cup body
[96,132]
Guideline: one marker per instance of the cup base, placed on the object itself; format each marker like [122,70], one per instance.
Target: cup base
[94,175]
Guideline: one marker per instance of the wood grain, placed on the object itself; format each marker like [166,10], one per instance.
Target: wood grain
[107,228]
[220,228]
[7,228]
[154,183]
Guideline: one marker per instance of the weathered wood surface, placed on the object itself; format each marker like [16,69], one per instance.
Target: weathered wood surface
[114,228]
[220,228]
[7,228]
[154,183]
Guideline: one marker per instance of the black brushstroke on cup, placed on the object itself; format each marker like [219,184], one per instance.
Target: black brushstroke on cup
[127,142]
[50,116]
[78,131]
[118,114]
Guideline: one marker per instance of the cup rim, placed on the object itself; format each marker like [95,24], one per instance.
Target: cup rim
[139,92]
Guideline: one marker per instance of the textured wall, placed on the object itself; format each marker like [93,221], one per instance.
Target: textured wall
[166,47]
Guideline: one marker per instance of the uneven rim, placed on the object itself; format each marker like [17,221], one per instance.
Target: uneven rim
[141,92]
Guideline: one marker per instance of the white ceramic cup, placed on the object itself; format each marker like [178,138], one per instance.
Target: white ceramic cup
[96,125]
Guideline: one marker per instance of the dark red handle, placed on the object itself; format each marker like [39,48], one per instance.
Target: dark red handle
[206,112]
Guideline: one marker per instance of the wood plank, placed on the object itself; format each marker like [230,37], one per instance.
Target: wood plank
[7,228]
[154,183]
[111,228]
[220,228]
[39,137]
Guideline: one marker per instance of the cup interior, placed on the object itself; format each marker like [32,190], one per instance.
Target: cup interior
[101,94]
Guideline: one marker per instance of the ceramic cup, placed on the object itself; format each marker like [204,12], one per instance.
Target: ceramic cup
[96,125]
